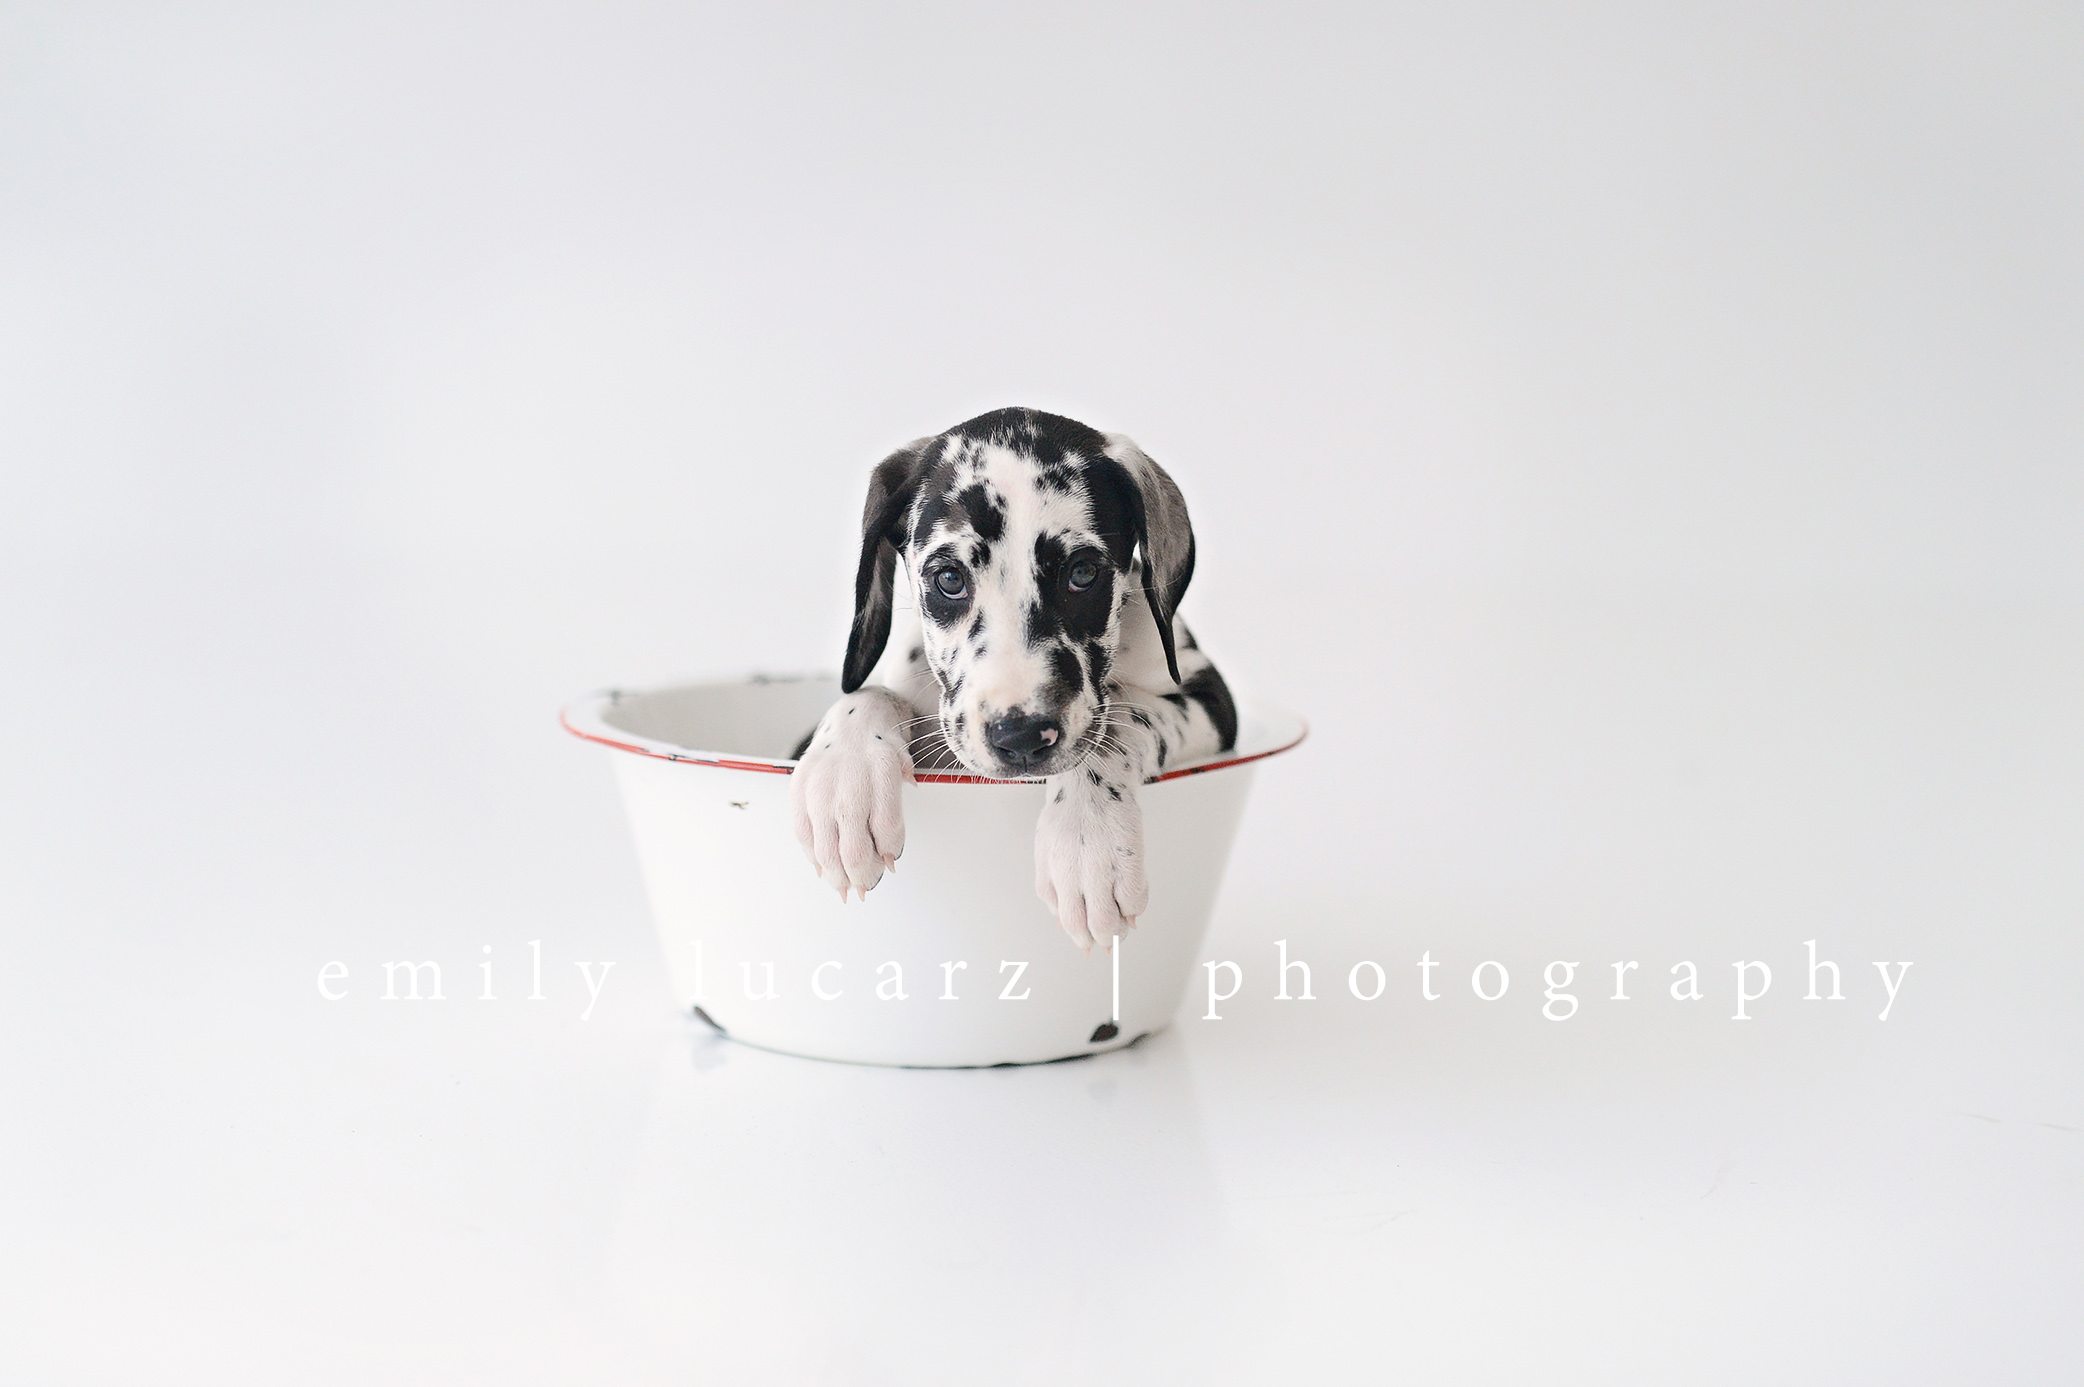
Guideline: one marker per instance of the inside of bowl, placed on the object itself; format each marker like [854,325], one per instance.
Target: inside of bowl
[760,719]
[764,718]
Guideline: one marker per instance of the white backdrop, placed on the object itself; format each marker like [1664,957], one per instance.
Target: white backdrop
[1645,443]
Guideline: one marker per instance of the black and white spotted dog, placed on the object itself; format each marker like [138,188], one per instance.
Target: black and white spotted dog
[1048,562]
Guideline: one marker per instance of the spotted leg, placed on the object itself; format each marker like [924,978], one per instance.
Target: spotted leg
[1089,863]
[847,792]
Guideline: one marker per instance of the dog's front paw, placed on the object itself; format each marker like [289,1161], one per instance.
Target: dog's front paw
[1089,860]
[848,799]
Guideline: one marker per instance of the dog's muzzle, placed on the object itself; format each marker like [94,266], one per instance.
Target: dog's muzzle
[1023,741]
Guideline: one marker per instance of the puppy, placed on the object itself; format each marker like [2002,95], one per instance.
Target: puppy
[1046,562]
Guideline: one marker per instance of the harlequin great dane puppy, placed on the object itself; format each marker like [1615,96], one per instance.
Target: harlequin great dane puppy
[1048,562]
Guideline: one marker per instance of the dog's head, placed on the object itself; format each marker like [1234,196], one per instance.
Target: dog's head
[1031,541]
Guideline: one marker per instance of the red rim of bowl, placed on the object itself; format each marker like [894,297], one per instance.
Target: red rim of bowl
[690,758]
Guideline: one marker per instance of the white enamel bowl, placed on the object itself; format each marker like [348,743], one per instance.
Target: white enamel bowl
[986,975]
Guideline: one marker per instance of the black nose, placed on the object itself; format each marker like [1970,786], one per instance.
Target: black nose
[1022,739]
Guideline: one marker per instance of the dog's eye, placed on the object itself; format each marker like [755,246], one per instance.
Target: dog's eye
[1083,575]
[950,583]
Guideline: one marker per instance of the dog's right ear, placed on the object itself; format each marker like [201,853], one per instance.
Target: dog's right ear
[1163,533]
[891,489]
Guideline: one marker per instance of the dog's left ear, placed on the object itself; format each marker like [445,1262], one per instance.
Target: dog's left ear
[1164,534]
[891,489]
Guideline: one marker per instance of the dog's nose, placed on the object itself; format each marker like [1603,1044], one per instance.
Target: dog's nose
[1022,739]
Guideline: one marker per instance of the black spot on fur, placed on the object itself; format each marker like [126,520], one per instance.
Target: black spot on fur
[1099,662]
[1047,436]
[935,503]
[1207,688]
[987,517]
[1066,674]
[1115,504]
[1040,623]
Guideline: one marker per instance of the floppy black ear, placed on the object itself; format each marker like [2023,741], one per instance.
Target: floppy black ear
[891,489]
[1164,534]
